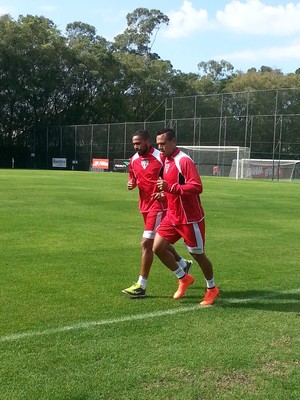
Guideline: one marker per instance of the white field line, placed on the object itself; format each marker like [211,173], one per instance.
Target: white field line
[129,318]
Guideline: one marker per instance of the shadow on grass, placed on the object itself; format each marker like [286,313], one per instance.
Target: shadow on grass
[268,300]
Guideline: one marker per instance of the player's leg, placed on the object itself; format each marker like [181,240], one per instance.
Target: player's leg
[194,237]
[147,257]
[162,249]
[165,235]
[151,221]
[212,291]
[181,262]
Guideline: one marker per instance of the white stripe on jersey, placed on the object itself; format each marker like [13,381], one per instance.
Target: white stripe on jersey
[156,153]
[178,157]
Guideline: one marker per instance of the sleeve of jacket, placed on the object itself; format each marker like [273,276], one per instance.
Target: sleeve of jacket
[131,174]
[192,182]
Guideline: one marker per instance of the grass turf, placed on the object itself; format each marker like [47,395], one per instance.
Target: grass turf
[70,243]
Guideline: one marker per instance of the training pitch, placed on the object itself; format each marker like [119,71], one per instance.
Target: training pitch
[70,242]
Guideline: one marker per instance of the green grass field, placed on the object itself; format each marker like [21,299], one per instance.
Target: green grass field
[70,241]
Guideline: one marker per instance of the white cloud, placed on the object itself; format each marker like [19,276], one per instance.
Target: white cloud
[255,17]
[275,53]
[186,21]
[291,51]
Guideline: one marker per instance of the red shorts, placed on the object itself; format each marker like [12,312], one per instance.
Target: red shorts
[193,234]
[151,221]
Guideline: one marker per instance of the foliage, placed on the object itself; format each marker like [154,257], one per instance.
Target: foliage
[216,70]
[49,79]
[141,25]
[30,74]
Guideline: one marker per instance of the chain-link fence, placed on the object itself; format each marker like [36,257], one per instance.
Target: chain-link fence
[268,122]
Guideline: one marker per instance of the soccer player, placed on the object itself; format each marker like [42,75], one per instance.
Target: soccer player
[144,169]
[182,186]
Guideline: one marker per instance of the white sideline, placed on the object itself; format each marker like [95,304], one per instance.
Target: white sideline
[129,318]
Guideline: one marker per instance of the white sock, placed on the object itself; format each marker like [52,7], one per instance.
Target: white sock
[210,283]
[179,272]
[142,281]
[181,263]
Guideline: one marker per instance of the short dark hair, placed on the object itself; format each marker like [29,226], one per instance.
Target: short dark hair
[170,133]
[143,133]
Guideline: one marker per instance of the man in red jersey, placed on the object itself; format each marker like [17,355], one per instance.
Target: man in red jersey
[144,169]
[182,186]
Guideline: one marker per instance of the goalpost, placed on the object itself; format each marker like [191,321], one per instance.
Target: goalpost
[217,160]
[235,162]
[266,169]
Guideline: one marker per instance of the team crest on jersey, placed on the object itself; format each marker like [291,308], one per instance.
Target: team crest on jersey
[145,163]
[167,167]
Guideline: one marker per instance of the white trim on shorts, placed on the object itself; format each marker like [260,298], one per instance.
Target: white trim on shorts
[151,234]
[199,249]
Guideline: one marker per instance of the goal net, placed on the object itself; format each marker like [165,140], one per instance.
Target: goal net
[265,169]
[217,160]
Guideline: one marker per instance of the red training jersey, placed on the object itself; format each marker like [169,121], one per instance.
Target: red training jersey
[145,171]
[184,188]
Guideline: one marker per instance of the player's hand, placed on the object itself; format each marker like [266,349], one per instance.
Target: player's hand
[131,184]
[158,196]
[161,184]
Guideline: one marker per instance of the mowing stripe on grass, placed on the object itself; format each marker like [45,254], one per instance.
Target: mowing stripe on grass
[129,318]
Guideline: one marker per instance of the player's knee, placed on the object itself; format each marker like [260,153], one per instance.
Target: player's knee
[147,244]
[159,246]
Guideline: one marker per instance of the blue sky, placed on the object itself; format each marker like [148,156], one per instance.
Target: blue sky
[247,33]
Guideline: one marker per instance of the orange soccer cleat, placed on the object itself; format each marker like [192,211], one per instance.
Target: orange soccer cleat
[210,296]
[183,284]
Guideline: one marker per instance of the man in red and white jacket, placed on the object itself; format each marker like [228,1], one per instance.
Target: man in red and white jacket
[145,167]
[182,186]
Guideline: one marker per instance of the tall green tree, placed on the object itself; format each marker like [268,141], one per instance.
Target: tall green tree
[89,63]
[142,27]
[146,76]
[30,64]
[216,70]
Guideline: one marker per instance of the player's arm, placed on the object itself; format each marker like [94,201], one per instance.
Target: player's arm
[189,181]
[192,181]
[131,183]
